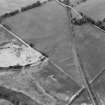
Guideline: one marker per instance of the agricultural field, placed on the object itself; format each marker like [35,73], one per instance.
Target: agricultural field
[92,8]
[10,5]
[57,79]
[90,43]
[47,30]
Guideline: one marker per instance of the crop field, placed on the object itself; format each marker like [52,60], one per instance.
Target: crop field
[46,28]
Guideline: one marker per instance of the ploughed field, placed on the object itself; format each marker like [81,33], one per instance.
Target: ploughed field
[46,28]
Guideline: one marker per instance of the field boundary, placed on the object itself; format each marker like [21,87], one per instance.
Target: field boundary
[23,9]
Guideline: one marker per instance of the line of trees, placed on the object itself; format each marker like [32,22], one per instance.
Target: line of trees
[101,24]
[37,4]
[81,21]
[23,9]
[85,19]
[82,1]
